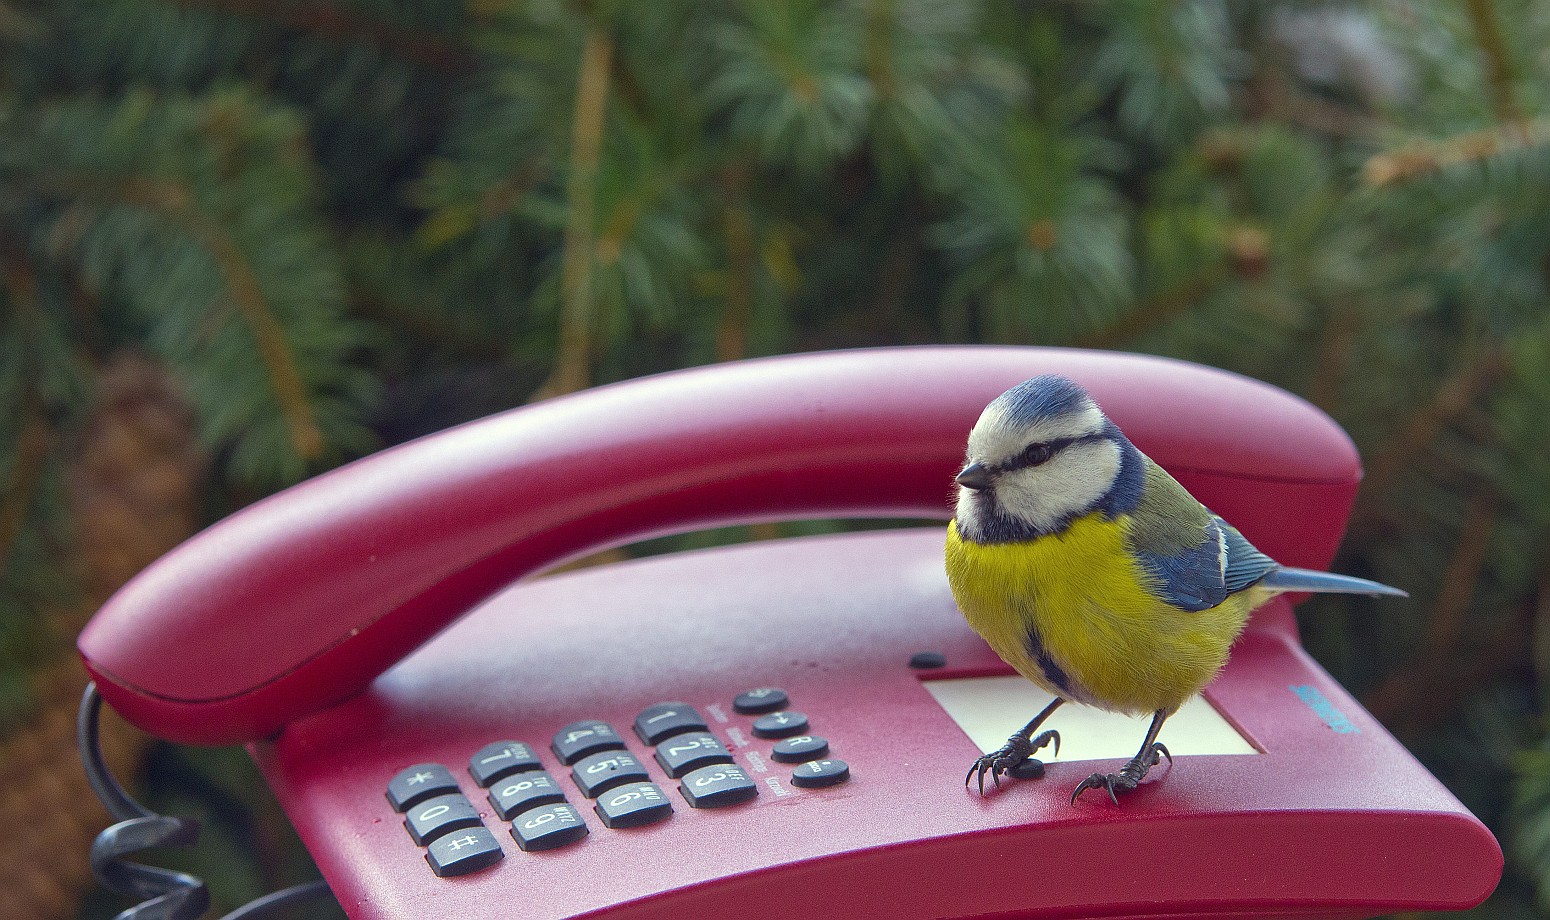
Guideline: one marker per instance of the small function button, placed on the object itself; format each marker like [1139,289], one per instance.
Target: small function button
[816,774]
[664,720]
[418,783]
[683,754]
[633,805]
[926,660]
[605,770]
[799,748]
[717,786]
[764,699]
[437,817]
[516,794]
[501,759]
[548,827]
[781,724]
[464,852]
[579,739]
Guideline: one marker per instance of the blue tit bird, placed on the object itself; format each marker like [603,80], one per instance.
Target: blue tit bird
[1095,575]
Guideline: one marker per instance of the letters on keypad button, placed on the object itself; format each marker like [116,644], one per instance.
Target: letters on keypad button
[501,759]
[547,827]
[463,852]
[664,720]
[418,783]
[717,786]
[522,791]
[442,815]
[633,805]
[605,770]
[681,754]
[579,739]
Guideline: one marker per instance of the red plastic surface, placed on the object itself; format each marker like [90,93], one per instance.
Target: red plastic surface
[1323,823]
[302,599]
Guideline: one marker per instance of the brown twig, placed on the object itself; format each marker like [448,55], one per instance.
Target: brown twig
[573,359]
[1498,63]
[1427,157]
[1154,313]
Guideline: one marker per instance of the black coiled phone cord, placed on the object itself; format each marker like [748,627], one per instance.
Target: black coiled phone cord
[165,894]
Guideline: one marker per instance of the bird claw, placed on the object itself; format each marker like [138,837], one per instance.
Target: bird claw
[1015,758]
[1129,776]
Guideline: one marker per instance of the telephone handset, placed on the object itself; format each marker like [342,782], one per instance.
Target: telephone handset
[276,625]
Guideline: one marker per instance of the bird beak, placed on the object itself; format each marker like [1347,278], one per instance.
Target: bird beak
[974,476]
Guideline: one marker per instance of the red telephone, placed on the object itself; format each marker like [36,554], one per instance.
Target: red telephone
[281,626]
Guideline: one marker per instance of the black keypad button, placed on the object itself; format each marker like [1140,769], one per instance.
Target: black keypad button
[817,773]
[764,699]
[781,724]
[605,770]
[925,660]
[682,754]
[464,852]
[799,748]
[437,817]
[664,720]
[418,783]
[717,786]
[579,739]
[501,759]
[547,827]
[522,791]
[633,805]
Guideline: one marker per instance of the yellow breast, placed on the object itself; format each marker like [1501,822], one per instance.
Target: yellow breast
[1079,601]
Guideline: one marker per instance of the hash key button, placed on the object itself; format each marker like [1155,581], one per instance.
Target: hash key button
[520,792]
[717,786]
[682,754]
[606,769]
[548,827]
[437,817]
[633,805]
[418,783]
[579,739]
[500,760]
[464,852]
[664,720]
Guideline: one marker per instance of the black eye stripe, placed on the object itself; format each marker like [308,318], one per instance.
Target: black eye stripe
[1031,457]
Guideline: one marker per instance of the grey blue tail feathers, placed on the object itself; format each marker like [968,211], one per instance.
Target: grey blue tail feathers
[1289,579]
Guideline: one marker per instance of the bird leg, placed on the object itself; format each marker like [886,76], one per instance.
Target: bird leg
[1131,774]
[1016,756]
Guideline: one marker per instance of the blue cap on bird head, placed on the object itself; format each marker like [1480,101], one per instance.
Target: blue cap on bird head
[1042,397]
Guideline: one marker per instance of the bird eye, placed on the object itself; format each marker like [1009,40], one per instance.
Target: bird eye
[1036,454]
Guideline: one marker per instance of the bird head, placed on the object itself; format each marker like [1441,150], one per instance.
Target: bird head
[1041,454]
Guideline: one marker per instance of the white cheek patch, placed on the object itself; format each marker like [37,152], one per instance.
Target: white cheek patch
[1072,482]
[995,439]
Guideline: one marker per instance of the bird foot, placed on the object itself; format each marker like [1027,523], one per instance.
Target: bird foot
[1128,777]
[1015,759]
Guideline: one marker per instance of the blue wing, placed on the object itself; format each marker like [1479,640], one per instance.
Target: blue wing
[1201,576]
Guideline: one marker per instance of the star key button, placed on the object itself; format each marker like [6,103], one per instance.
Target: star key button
[418,783]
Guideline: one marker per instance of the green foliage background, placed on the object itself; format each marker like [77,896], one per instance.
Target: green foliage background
[342,224]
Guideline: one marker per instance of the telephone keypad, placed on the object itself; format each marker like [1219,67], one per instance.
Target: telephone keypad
[464,852]
[604,770]
[717,786]
[581,739]
[633,805]
[501,759]
[439,816]
[683,754]
[418,783]
[522,791]
[548,827]
[664,720]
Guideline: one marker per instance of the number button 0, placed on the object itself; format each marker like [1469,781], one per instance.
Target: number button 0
[437,817]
